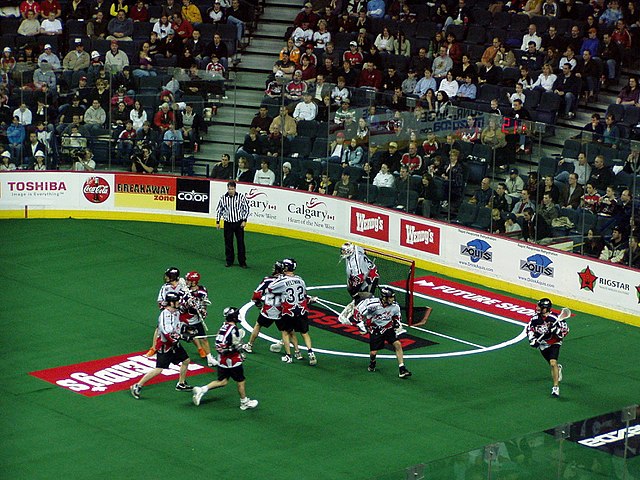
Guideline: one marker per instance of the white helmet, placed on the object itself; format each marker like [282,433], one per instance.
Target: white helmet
[347,249]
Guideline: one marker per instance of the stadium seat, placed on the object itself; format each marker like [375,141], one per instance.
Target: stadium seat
[547,166]
[483,219]
[308,128]
[571,148]
[487,93]
[563,25]
[367,193]
[541,22]
[631,116]
[386,197]
[427,30]
[501,20]
[531,98]
[457,31]
[319,149]
[480,17]
[623,180]
[520,23]
[475,171]
[616,110]
[408,200]
[467,214]
[301,145]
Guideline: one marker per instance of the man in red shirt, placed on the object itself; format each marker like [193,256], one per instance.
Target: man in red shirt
[183,29]
[411,159]
[370,77]
[29,6]
[48,6]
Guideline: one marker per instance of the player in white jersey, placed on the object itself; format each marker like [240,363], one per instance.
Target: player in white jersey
[362,275]
[270,311]
[546,332]
[231,357]
[381,317]
[194,312]
[168,346]
[172,283]
[293,302]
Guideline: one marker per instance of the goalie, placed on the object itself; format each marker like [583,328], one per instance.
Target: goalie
[362,276]
[382,317]
[231,356]
[546,332]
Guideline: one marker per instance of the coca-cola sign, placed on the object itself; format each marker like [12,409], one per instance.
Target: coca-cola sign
[96,189]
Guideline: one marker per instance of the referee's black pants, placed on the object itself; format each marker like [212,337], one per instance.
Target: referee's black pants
[231,229]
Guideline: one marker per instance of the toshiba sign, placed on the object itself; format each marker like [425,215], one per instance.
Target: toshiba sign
[420,236]
[369,224]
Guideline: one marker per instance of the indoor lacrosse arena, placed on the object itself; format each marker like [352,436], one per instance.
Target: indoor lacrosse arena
[478,399]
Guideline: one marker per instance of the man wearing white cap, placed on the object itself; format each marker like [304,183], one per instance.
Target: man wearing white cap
[75,61]
[40,163]
[289,178]
[305,110]
[6,165]
[51,25]
[50,57]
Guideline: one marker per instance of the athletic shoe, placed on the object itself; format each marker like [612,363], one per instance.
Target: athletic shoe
[183,387]
[362,328]
[298,356]
[247,347]
[400,330]
[559,372]
[372,366]
[212,362]
[287,359]
[404,373]
[198,393]
[276,347]
[248,403]
[555,392]
[135,391]
[312,359]
[150,353]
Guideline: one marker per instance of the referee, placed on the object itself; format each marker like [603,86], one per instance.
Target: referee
[233,208]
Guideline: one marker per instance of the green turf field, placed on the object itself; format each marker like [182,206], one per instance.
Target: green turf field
[78,291]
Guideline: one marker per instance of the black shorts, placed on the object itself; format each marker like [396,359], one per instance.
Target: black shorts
[301,323]
[176,355]
[199,328]
[551,353]
[264,321]
[235,373]
[377,340]
[285,324]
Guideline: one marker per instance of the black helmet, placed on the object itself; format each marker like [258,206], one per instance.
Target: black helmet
[278,267]
[231,314]
[545,303]
[387,294]
[172,273]
[289,265]
[171,297]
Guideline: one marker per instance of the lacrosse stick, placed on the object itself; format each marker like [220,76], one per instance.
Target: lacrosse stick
[564,314]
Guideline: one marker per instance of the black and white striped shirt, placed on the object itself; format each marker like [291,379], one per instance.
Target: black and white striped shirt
[232,209]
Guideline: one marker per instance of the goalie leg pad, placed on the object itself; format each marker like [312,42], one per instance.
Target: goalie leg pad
[347,313]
